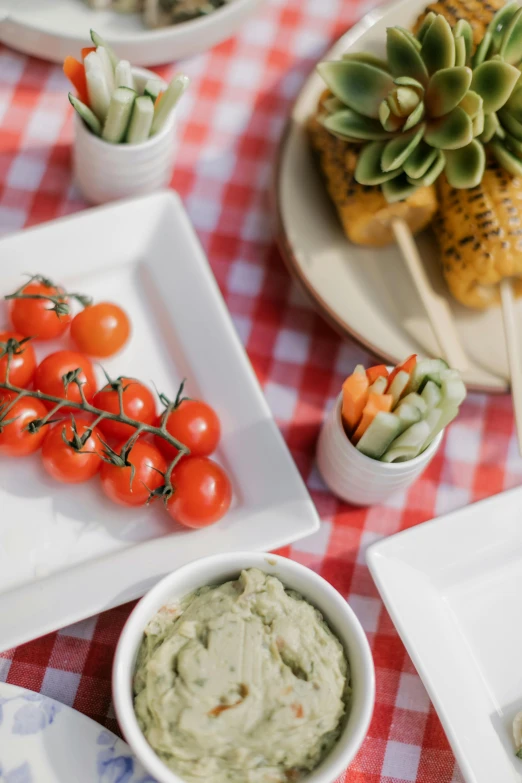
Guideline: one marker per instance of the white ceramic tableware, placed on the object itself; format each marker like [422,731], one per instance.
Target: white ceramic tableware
[366,293]
[222,568]
[52,29]
[356,478]
[45,741]
[452,587]
[67,552]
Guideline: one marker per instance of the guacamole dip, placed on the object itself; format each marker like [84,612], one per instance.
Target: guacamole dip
[241,682]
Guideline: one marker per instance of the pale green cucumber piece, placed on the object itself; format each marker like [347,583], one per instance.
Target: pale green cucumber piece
[152,88]
[411,442]
[168,101]
[119,114]
[408,415]
[123,75]
[431,394]
[398,386]
[453,389]
[426,367]
[98,90]
[141,120]
[88,116]
[107,67]
[379,385]
[381,432]
[413,399]
[98,41]
[448,413]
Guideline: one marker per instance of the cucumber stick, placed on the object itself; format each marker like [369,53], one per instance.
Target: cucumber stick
[141,120]
[152,88]
[168,101]
[453,389]
[407,415]
[88,116]
[99,95]
[119,114]
[431,394]
[123,75]
[398,386]
[98,41]
[413,399]
[381,432]
[106,64]
[378,386]
[426,369]
[412,441]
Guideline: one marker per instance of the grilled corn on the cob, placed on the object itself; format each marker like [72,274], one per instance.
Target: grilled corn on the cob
[479,231]
[365,214]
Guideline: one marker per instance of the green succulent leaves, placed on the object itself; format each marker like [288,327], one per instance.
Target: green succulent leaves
[432,104]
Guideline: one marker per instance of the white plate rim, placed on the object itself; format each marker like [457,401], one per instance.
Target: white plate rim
[283,242]
[38,598]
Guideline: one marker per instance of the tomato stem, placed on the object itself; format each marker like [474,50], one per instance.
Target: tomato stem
[61,305]
[86,407]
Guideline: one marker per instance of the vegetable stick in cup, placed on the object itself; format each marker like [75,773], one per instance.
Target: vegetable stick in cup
[168,101]
[75,72]
[141,120]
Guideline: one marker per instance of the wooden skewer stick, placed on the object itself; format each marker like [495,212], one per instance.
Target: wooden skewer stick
[436,306]
[513,352]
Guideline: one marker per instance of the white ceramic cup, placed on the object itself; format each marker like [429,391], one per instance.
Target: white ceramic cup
[106,172]
[216,570]
[356,478]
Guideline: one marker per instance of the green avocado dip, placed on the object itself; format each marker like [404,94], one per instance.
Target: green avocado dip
[242,682]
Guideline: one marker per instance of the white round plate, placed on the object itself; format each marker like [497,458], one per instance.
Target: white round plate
[366,293]
[52,29]
[43,741]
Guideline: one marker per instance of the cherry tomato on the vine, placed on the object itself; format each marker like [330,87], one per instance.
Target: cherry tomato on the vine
[15,439]
[149,466]
[202,492]
[50,372]
[63,462]
[36,317]
[138,404]
[23,362]
[101,329]
[195,424]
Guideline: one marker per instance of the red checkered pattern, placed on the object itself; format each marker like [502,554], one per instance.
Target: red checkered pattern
[230,125]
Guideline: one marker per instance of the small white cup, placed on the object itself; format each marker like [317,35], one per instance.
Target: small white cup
[106,172]
[356,478]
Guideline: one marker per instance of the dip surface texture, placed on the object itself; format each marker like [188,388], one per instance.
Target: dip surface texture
[243,682]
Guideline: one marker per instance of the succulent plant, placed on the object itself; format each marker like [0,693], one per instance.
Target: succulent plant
[426,107]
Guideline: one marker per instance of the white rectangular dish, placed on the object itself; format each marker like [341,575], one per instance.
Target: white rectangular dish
[65,551]
[452,587]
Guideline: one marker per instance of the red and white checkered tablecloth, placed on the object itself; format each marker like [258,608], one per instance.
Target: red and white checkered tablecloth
[230,124]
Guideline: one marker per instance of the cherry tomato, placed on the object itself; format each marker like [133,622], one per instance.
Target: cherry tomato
[101,329]
[35,317]
[23,362]
[49,374]
[196,425]
[138,404]
[202,492]
[149,466]
[15,440]
[63,462]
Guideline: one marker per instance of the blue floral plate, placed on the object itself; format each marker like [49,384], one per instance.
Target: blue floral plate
[43,741]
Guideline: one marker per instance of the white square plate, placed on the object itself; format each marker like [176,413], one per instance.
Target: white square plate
[453,588]
[65,551]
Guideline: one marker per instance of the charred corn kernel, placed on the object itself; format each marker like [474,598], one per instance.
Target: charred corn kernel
[479,13]
[365,214]
[479,232]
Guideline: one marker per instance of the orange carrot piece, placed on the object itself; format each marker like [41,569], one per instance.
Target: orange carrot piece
[87,50]
[379,371]
[355,397]
[158,99]
[407,366]
[75,72]
[376,403]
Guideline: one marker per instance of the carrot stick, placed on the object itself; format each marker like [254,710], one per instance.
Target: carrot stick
[375,404]
[75,72]
[158,99]
[87,50]
[379,371]
[355,396]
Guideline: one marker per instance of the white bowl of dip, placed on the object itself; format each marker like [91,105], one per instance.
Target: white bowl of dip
[219,569]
